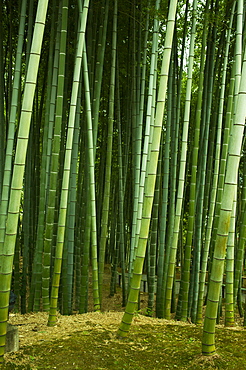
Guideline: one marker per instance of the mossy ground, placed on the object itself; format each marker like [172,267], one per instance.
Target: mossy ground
[89,341]
[147,347]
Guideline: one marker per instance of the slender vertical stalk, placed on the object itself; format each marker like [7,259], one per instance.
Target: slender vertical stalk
[208,341]
[6,259]
[67,167]
[7,172]
[91,206]
[51,198]
[183,159]
[152,171]
[108,168]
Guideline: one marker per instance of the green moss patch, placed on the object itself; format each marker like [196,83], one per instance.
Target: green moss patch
[147,347]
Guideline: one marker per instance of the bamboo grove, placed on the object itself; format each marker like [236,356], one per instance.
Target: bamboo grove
[122,144]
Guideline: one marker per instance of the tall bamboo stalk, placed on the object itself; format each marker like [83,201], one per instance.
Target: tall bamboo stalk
[208,342]
[152,171]
[6,259]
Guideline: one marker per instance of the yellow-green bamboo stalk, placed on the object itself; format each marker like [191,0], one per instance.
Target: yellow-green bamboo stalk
[229,269]
[152,171]
[66,170]
[234,153]
[7,173]
[51,197]
[108,169]
[91,224]
[6,259]
[180,193]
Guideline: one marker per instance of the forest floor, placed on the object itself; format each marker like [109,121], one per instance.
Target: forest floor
[88,341]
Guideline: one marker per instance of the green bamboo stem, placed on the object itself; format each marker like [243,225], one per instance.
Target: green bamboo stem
[6,260]
[108,167]
[239,252]
[139,189]
[121,243]
[152,247]
[2,117]
[67,167]
[51,198]
[220,162]
[92,193]
[152,170]
[229,270]
[208,341]
[191,218]
[99,72]
[180,192]
[163,219]
[36,282]
[7,171]
[138,140]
